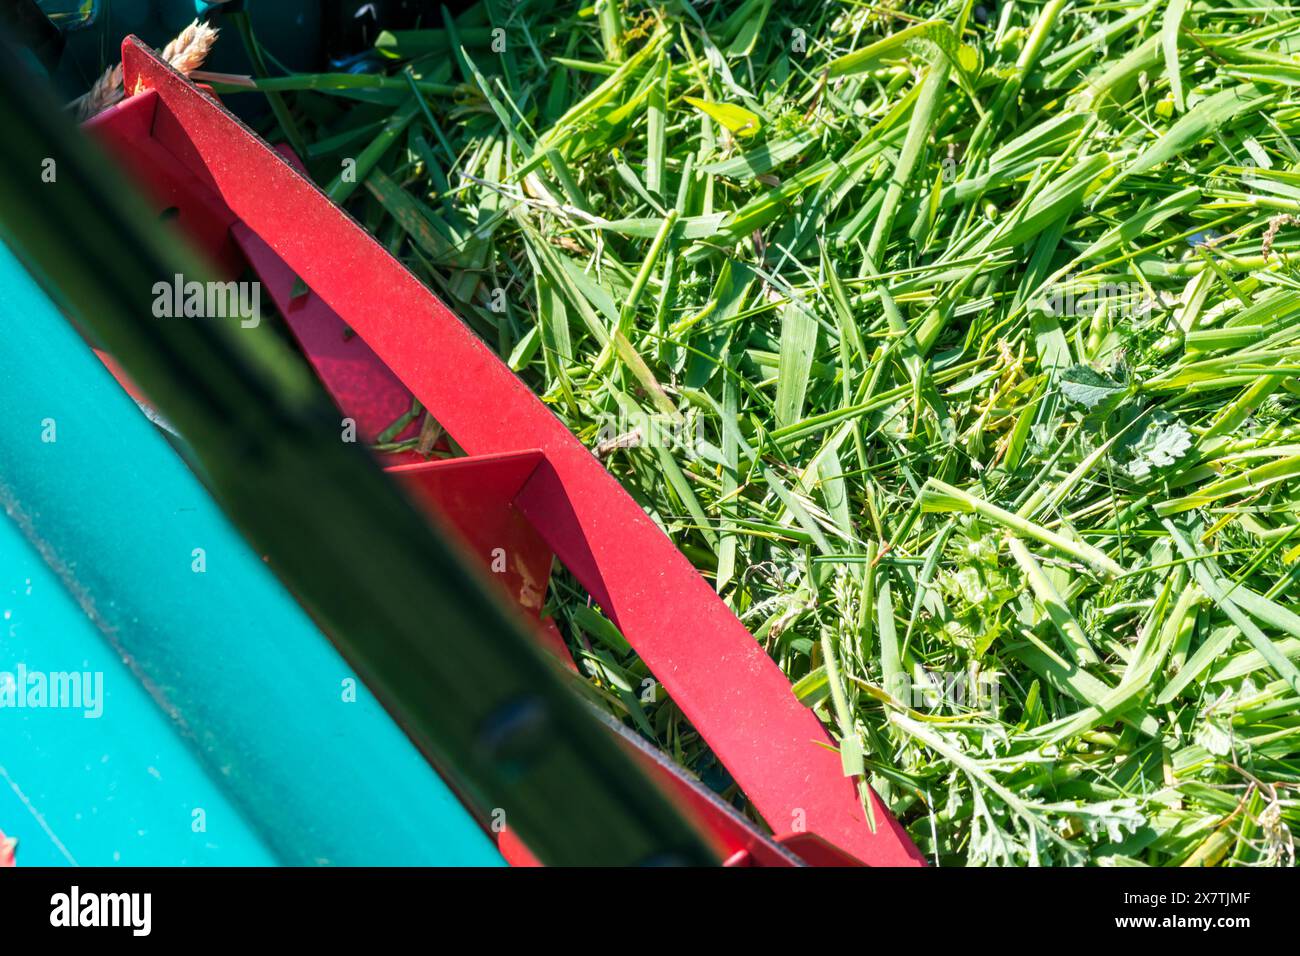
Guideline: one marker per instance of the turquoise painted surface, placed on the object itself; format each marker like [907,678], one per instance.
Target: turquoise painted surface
[306,755]
[105,780]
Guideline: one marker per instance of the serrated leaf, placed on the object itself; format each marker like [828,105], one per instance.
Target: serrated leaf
[1087,387]
[1213,738]
[1165,440]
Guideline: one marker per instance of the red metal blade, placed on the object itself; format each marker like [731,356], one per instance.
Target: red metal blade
[476,495]
[715,671]
[360,384]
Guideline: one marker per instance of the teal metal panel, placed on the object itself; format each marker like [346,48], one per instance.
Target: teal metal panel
[307,755]
[104,779]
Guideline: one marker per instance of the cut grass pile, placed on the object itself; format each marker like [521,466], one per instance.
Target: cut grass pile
[956,345]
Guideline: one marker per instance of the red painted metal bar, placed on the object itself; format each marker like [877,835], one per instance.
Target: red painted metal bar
[474,497]
[708,663]
[358,381]
[471,497]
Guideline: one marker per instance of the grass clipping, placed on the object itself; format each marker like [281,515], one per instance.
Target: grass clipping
[186,53]
[958,348]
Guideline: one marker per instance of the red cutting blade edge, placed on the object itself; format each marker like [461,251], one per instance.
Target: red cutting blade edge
[709,664]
